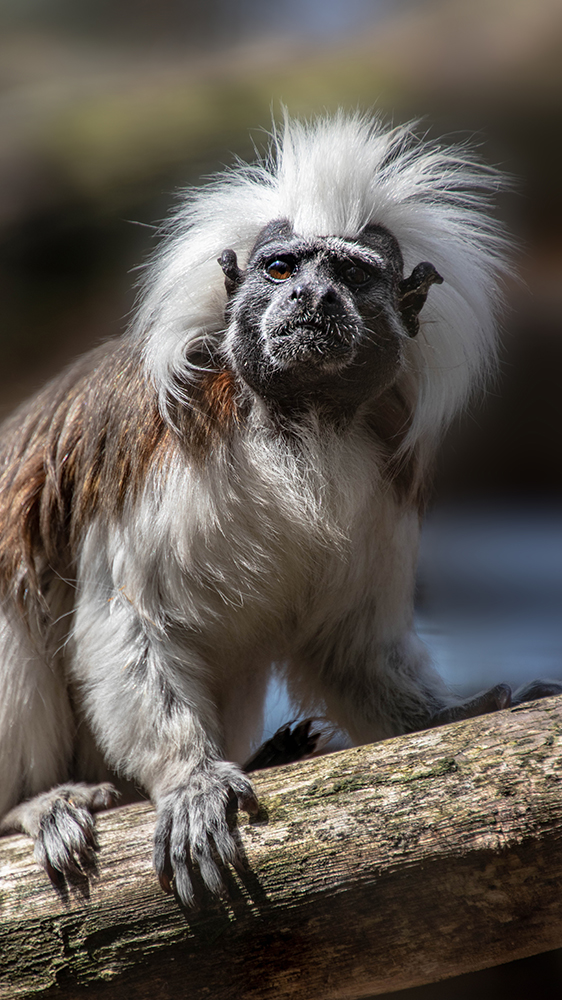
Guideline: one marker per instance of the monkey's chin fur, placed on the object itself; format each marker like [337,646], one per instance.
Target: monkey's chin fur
[307,344]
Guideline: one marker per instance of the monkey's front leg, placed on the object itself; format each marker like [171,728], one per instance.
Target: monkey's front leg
[150,704]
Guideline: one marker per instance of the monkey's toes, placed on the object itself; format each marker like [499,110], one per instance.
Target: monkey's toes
[66,844]
[493,700]
[535,690]
[193,840]
[289,743]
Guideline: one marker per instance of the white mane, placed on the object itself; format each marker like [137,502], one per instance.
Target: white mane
[333,177]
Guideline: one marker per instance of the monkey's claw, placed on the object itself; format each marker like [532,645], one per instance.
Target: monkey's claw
[66,844]
[63,828]
[193,831]
[288,744]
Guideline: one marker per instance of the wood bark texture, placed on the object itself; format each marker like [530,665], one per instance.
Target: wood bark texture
[369,870]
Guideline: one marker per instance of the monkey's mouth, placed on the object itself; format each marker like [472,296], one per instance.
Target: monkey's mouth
[326,345]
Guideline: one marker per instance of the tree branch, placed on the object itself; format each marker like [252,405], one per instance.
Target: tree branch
[377,868]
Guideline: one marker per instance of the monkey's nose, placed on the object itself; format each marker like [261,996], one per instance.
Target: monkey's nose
[327,296]
[324,295]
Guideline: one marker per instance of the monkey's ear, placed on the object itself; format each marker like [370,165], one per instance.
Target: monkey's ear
[412,293]
[233,276]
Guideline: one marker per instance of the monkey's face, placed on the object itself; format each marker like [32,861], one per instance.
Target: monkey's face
[316,320]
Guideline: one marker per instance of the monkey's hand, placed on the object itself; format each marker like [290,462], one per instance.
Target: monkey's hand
[63,828]
[290,743]
[193,826]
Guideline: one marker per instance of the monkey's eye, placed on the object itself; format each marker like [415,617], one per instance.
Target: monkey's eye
[354,274]
[280,270]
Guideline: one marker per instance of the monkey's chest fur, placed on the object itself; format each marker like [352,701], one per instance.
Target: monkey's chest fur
[251,554]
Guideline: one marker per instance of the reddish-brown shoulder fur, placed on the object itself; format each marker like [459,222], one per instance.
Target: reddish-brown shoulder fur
[82,447]
[212,411]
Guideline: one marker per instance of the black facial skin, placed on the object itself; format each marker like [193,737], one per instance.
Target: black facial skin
[321,322]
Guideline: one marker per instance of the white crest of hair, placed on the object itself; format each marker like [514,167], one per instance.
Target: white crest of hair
[334,176]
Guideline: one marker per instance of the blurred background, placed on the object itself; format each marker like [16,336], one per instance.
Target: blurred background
[108,109]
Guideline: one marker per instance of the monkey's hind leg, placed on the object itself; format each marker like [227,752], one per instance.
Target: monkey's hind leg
[37,745]
[62,825]
[535,690]
[498,697]
[493,700]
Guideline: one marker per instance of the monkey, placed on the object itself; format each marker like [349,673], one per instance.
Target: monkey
[236,486]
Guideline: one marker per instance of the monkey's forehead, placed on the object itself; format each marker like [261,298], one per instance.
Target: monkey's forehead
[376,246]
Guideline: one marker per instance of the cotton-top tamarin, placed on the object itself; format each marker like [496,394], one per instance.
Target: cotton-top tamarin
[236,483]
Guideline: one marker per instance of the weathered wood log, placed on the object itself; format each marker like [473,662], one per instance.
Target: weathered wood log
[375,869]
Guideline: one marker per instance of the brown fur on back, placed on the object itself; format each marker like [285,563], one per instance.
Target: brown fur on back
[84,445]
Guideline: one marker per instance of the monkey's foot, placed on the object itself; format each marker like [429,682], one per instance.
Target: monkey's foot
[291,742]
[493,700]
[193,827]
[63,828]
[536,689]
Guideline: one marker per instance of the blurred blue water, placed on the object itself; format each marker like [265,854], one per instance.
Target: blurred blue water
[490,594]
[489,598]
